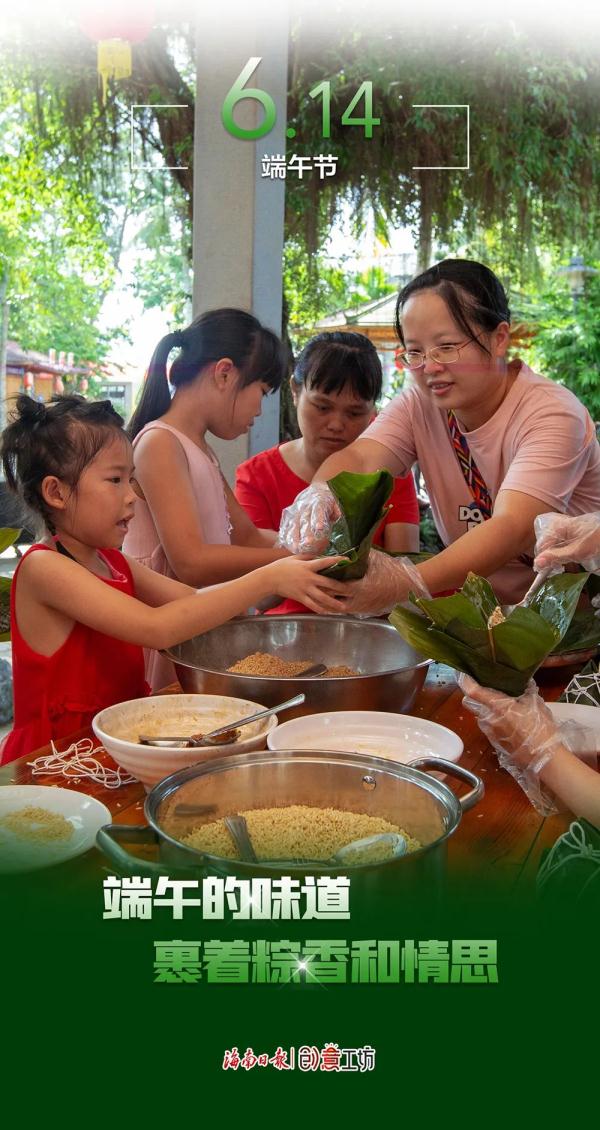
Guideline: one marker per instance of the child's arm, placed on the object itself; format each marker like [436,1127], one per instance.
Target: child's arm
[55,592]
[161,469]
[154,588]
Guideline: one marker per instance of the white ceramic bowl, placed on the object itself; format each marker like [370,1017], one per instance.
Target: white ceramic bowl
[151,764]
[585,742]
[399,737]
[84,813]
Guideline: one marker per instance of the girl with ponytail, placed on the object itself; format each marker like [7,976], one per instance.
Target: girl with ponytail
[81,612]
[188,524]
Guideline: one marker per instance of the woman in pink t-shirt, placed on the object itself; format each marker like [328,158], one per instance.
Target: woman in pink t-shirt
[496,443]
[336,383]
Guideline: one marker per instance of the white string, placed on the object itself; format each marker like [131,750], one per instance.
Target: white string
[80,760]
[577,848]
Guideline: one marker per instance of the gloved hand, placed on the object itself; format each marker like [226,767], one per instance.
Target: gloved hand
[387,581]
[306,525]
[523,733]
[561,539]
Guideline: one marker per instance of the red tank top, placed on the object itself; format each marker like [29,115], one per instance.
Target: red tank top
[54,695]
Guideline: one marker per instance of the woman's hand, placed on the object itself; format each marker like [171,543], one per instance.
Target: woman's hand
[300,579]
[522,731]
[306,525]
[387,581]
[561,539]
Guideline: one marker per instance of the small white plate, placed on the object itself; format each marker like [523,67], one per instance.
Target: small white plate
[400,737]
[586,716]
[85,813]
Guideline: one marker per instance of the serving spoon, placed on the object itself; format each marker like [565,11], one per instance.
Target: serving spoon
[345,856]
[224,735]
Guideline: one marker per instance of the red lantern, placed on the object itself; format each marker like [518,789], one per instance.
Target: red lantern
[115,26]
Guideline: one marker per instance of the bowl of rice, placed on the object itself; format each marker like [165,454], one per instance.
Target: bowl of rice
[42,826]
[368,664]
[119,727]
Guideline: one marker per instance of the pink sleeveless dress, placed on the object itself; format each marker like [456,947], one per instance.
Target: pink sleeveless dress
[142,541]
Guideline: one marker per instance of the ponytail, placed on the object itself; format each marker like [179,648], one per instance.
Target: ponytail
[156,395]
[256,351]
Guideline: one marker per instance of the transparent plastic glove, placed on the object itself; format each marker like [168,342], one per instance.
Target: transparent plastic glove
[306,525]
[387,581]
[561,539]
[523,733]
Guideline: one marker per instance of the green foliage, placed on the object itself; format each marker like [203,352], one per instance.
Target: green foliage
[54,257]
[534,139]
[530,187]
[315,290]
[566,345]
[162,243]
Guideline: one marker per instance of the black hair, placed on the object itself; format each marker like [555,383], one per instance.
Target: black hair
[257,353]
[333,361]
[59,438]
[473,294]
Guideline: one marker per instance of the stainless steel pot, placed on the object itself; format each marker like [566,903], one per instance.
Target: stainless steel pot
[403,794]
[391,672]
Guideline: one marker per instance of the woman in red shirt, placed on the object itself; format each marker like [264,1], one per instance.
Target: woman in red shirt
[335,386]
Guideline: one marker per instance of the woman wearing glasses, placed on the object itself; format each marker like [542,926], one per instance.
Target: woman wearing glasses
[496,443]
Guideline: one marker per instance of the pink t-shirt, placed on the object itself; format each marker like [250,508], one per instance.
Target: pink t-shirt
[143,543]
[541,442]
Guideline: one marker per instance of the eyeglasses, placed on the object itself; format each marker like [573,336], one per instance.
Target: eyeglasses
[443,354]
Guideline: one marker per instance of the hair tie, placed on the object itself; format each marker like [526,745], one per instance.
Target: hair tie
[178,339]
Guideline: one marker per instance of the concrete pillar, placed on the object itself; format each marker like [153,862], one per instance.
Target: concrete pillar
[238,215]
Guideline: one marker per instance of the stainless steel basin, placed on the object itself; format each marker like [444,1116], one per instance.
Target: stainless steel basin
[390,672]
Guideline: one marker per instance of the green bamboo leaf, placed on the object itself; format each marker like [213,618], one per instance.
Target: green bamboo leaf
[455,630]
[556,600]
[362,501]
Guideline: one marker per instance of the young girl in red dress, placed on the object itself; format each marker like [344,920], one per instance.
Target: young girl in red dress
[81,611]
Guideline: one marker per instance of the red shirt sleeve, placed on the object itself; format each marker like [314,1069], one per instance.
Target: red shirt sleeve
[403,501]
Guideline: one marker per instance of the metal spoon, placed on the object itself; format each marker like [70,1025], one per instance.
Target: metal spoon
[312,671]
[345,855]
[238,829]
[537,583]
[224,734]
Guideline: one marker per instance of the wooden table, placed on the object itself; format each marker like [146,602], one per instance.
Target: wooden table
[502,835]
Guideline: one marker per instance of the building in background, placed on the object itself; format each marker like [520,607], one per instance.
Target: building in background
[40,375]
